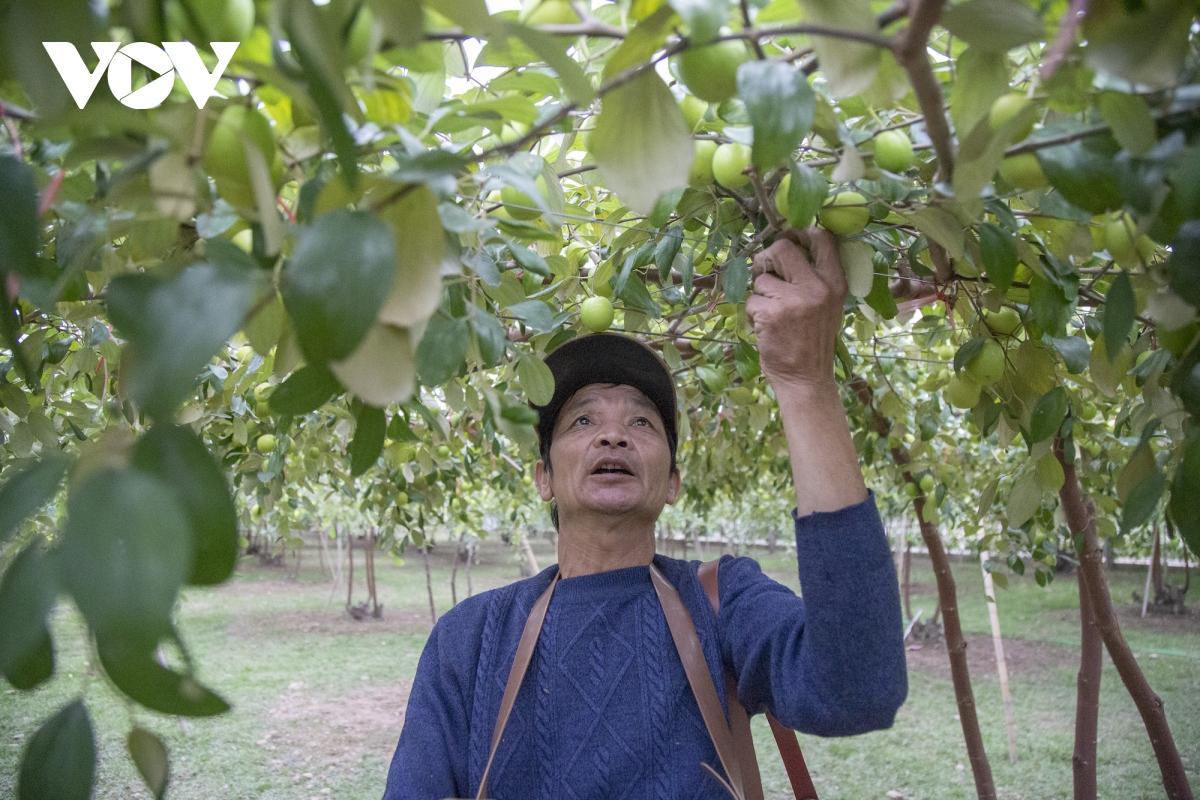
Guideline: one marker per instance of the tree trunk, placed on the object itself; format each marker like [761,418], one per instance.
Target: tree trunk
[956,645]
[989,593]
[1153,581]
[1087,698]
[458,553]
[429,584]
[350,571]
[376,608]
[326,566]
[1157,565]
[470,560]
[1081,521]
[906,578]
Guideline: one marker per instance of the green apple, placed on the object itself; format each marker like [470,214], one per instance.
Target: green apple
[845,215]
[552,12]
[1007,106]
[729,163]
[694,110]
[928,483]
[596,313]
[911,489]
[520,205]
[265,443]
[401,498]
[263,390]
[1023,171]
[710,71]
[781,195]
[1123,243]
[987,366]
[893,151]
[218,20]
[225,156]
[1005,322]
[701,172]
[443,451]
[962,392]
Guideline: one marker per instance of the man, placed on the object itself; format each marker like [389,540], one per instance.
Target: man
[605,710]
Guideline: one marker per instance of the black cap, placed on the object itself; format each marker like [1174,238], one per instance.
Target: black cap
[607,358]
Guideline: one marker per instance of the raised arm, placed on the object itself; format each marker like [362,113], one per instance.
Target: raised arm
[796,311]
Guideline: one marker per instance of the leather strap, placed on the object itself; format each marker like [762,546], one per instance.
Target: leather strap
[529,637]
[785,738]
[683,632]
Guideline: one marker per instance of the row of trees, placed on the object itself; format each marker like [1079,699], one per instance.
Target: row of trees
[339,278]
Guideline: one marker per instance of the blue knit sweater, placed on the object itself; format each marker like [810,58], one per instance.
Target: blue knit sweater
[605,710]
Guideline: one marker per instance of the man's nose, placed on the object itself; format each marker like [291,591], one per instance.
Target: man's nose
[612,438]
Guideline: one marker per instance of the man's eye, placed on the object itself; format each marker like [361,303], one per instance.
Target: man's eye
[641,421]
[579,420]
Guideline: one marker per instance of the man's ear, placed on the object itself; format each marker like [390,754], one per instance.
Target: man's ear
[541,479]
[673,487]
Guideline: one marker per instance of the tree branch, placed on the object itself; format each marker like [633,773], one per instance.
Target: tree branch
[910,47]
[1064,40]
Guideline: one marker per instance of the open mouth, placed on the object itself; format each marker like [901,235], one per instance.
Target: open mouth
[611,469]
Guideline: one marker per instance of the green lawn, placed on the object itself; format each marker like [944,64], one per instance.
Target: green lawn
[318,698]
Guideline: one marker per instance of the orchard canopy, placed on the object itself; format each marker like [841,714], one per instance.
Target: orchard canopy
[334,271]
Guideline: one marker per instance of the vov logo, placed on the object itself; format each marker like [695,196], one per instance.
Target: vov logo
[171,58]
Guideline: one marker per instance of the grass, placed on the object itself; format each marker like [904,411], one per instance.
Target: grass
[318,698]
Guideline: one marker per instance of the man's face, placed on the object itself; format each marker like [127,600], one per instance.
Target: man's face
[610,455]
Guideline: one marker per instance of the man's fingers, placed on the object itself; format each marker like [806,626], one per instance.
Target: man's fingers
[822,246]
[768,285]
[785,259]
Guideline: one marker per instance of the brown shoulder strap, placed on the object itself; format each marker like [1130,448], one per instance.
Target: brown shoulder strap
[785,738]
[529,637]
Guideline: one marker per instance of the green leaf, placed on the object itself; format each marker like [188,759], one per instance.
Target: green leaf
[999,251]
[383,369]
[553,50]
[1142,501]
[1023,500]
[858,263]
[1082,171]
[536,380]
[1118,314]
[528,259]
[125,551]
[535,314]
[666,250]
[1074,350]
[490,335]
[703,18]
[1144,42]
[848,67]
[60,759]
[941,226]
[367,444]
[174,454]
[807,190]
[18,218]
[305,390]
[966,354]
[981,76]
[997,25]
[28,489]
[27,594]
[735,278]
[1129,117]
[1184,505]
[641,143]
[149,755]
[443,349]
[314,44]
[175,326]
[880,299]
[132,665]
[1183,265]
[780,104]
[401,20]
[417,227]
[1048,415]
[337,281]
[642,42]
[635,295]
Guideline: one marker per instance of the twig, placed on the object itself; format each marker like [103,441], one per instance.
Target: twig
[1064,40]
[911,51]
